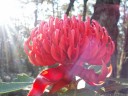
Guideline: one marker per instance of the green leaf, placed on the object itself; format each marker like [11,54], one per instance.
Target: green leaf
[97,69]
[12,86]
[111,87]
[18,83]
[23,78]
[122,81]
[81,92]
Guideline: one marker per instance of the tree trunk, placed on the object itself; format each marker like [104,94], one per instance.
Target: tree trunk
[106,12]
[124,70]
[70,6]
[36,13]
[53,10]
[84,9]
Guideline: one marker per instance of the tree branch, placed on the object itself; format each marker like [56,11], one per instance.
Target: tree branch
[69,7]
[84,9]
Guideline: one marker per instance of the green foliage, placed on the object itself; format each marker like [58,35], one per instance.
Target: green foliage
[82,92]
[122,81]
[12,86]
[21,82]
[23,78]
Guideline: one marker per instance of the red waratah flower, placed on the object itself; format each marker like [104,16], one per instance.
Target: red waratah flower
[69,42]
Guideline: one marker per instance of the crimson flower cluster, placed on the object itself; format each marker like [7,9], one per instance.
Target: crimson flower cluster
[70,43]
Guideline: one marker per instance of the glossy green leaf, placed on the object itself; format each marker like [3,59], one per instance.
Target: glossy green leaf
[23,78]
[18,83]
[12,86]
[97,69]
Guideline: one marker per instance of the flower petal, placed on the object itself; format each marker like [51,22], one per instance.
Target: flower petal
[45,78]
[39,86]
[55,52]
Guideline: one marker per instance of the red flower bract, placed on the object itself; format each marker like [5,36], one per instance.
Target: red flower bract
[69,42]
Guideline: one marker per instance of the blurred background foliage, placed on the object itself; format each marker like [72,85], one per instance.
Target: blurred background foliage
[19,17]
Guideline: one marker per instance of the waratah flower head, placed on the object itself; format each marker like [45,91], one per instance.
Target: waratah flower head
[70,42]
[67,40]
